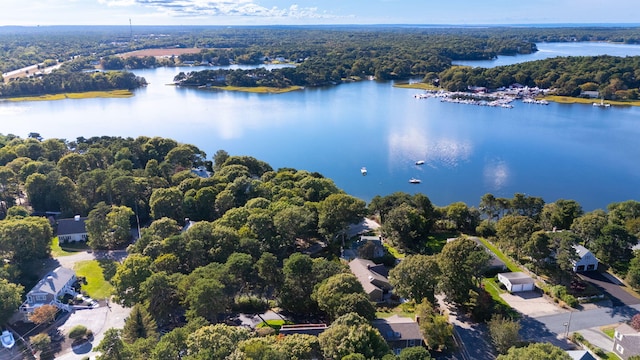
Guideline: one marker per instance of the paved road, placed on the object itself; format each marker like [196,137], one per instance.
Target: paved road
[611,287]
[547,327]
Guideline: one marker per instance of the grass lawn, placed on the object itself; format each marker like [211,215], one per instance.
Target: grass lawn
[56,250]
[84,95]
[97,287]
[510,264]
[609,330]
[275,324]
[393,251]
[575,100]
[405,310]
[494,290]
[259,89]
[422,86]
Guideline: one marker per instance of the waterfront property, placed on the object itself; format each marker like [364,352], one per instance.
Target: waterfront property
[373,279]
[72,230]
[586,260]
[50,290]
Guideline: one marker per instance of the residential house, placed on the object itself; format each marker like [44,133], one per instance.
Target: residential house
[374,242]
[626,341]
[373,279]
[72,230]
[580,355]
[586,260]
[517,281]
[399,332]
[49,290]
[201,171]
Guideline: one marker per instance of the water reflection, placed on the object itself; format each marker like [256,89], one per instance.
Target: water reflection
[496,174]
[437,152]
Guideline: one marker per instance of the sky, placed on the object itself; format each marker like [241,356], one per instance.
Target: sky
[307,12]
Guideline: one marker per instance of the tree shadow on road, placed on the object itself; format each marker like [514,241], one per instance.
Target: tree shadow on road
[533,330]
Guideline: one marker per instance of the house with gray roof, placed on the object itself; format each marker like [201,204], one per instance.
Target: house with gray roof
[72,230]
[586,260]
[626,341]
[49,290]
[373,279]
[399,332]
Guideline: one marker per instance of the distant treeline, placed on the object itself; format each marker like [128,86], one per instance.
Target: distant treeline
[61,81]
[614,77]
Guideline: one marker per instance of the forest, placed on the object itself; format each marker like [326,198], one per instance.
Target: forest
[323,55]
[247,248]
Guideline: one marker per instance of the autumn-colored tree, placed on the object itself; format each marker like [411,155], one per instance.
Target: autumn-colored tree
[44,314]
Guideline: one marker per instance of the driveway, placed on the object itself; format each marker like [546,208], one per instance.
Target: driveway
[611,287]
[532,303]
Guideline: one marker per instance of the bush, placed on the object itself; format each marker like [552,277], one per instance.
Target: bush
[77,332]
[250,304]
[570,300]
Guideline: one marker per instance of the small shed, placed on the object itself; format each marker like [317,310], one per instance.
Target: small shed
[517,281]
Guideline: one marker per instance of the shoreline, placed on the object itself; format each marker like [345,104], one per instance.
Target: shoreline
[551,98]
[82,95]
[247,89]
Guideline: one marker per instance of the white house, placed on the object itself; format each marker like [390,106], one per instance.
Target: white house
[72,230]
[517,281]
[586,260]
[49,290]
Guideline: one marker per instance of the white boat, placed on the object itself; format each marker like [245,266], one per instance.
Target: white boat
[601,104]
[7,339]
[363,170]
[414,181]
[420,162]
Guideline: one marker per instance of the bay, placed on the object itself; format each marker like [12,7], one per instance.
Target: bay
[557,151]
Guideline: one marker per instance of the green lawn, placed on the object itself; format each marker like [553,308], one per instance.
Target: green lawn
[609,331]
[69,249]
[97,287]
[393,251]
[494,290]
[275,324]
[510,264]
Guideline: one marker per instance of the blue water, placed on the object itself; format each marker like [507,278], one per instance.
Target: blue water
[556,151]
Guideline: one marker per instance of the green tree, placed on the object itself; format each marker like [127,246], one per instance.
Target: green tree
[337,211]
[10,299]
[560,214]
[352,334]
[461,264]
[331,296]
[614,245]
[416,277]
[108,227]
[435,328]
[537,249]
[40,342]
[405,226]
[588,227]
[414,353]
[215,341]
[514,231]
[25,239]
[166,202]
[504,333]
[161,297]
[72,165]
[206,298]
[112,347]
[538,351]
[129,276]
[138,325]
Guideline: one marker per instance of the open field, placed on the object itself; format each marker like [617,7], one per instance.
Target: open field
[161,52]
[575,100]
[84,95]
[258,89]
[421,86]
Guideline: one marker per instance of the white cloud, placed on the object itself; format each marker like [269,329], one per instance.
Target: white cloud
[205,8]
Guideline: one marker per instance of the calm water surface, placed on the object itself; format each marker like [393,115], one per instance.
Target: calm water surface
[556,151]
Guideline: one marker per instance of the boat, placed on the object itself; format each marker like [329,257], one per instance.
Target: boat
[601,104]
[7,339]
[363,170]
[420,162]
[414,181]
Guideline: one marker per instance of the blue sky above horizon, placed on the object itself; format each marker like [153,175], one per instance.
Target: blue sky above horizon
[303,12]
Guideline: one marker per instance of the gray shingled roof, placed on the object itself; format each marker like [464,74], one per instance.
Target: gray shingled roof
[54,281]
[364,271]
[72,226]
[397,328]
